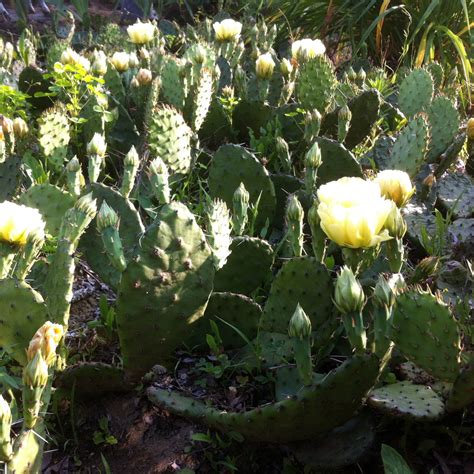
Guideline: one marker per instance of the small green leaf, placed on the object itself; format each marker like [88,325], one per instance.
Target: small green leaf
[393,462]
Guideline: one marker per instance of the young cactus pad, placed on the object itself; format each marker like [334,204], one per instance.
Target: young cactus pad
[416,92]
[325,404]
[164,289]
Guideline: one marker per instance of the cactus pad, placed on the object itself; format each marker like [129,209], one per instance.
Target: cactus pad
[51,201]
[316,84]
[301,280]
[170,139]
[90,379]
[444,123]
[416,92]
[426,332]
[315,409]
[343,446]
[130,230]
[365,112]
[462,232]
[232,165]
[22,312]
[53,135]
[247,266]
[337,161]
[164,290]
[456,193]
[407,400]
[238,310]
[10,173]
[408,152]
[173,85]
[462,392]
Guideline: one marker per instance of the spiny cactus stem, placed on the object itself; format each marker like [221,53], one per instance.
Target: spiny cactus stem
[7,254]
[395,253]
[355,330]
[263,89]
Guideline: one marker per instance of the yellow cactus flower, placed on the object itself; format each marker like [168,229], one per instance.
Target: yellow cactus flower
[141,33]
[45,340]
[120,61]
[307,48]
[395,185]
[470,128]
[353,212]
[227,30]
[17,222]
[69,56]
[264,66]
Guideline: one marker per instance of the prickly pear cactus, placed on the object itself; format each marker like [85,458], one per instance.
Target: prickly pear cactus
[337,161]
[462,392]
[164,290]
[416,92]
[456,194]
[53,135]
[304,281]
[239,311]
[365,109]
[315,409]
[51,201]
[169,138]
[444,124]
[247,266]
[437,73]
[407,400]
[130,230]
[199,99]
[408,152]
[232,165]
[316,84]
[462,233]
[426,332]
[22,312]
[10,172]
[173,83]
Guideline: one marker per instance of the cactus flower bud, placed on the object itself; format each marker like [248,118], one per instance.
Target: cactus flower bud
[299,325]
[35,374]
[345,113]
[120,61]
[87,205]
[240,206]
[283,153]
[130,164]
[99,63]
[349,295]
[351,74]
[45,340]
[6,124]
[133,60]
[307,49]
[141,33]
[361,76]
[286,68]
[313,156]
[470,128]
[73,166]
[429,180]
[294,217]
[227,30]
[264,66]
[159,178]
[106,217]
[383,293]
[69,56]
[312,125]
[294,209]
[395,185]
[20,127]
[97,145]
[144,77]
[395,224]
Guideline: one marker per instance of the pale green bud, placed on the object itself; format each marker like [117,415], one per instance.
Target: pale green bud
[395,224]
[87,205]
[351,74]
[349,295]
[131,158]
[35,374]
[345,113]
[73,166]
[106,217]
[383,293]
[313,157]
[294,209]
[286,68]
[99,63]
[299,325]
[97,145]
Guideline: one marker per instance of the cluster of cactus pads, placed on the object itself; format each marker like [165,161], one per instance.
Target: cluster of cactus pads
[193,229]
